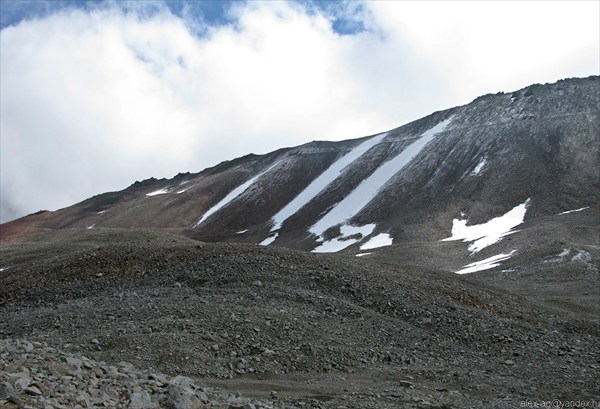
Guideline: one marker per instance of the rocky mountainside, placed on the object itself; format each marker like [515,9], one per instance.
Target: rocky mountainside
[116,300]
[475,162]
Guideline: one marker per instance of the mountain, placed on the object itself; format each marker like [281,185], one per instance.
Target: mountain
[535,147]
[167,276]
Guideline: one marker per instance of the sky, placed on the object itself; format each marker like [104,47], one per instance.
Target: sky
[95,95]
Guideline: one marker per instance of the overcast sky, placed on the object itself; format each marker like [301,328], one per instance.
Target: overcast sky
[96,95]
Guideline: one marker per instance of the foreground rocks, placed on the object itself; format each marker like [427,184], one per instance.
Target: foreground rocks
[33,375]
[319,331]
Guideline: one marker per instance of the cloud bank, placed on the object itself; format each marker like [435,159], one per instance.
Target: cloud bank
[95,98]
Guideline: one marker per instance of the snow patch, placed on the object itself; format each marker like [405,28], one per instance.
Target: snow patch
[158,192]
[349,235]
[3,269]
[485,264]
[91,226]
[561,256]
[101,212]
[241,231]
[269,240]
[583,256]
[368,188]
[232,195]
[573,211]
[181,191]
[363,254]
[323,180]
[479,167]
[486,234]
[381,240]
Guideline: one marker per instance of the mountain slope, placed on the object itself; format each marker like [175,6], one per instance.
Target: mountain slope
[538,144]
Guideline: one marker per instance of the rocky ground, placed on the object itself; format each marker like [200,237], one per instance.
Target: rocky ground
[35,375]
[95,318]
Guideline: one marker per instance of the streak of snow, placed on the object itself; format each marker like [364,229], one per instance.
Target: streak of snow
[3,269]
[368,188]
[101,212]
[158,192]
[485,264]
[363,254]
[573,211]
[486,234]
[181,191]
[241,231]
[381,240]
[479,167]
[269,240]
[323,180]
[233,194]
[91,226]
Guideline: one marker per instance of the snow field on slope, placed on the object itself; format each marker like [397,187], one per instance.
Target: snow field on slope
[232,195]
[486,234]
[323,180]
[368,188]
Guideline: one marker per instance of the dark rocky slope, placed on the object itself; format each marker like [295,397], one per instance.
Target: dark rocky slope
[540,143]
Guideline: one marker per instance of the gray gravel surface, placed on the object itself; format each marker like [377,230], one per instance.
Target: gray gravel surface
[289,328]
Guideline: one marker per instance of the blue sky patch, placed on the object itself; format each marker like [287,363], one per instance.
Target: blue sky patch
[344,16]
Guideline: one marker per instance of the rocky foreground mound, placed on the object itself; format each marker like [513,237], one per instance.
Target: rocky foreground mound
[320,331]
[37,376]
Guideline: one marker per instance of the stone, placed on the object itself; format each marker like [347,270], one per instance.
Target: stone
[201,394]
[140,400]
[406,384]
[181,381]
[32,390]
[74,362]
[182,397]
[100,400]
[22,383]
[7,393]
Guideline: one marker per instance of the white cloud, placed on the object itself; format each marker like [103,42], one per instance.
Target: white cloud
[478,47]
[93,100]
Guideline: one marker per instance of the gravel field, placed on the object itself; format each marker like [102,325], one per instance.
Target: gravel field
[270,327]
